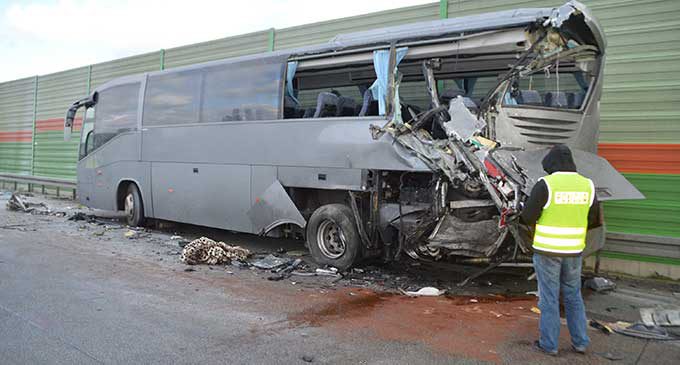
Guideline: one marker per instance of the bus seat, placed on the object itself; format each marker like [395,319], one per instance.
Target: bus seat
[308,113]
[556,99]
[449,94]
[235,114]
[326,105]
[529,97]
[575,99]
[290,108]
[369,105]
[346,106]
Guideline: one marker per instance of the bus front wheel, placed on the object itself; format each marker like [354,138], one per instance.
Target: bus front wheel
[332,237]
[133,206]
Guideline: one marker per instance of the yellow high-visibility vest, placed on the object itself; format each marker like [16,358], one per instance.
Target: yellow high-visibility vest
[563,224]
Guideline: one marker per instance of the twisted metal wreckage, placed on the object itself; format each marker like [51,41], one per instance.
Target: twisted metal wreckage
[488,158]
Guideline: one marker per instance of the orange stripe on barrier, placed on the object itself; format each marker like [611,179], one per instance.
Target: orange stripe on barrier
[56,124]
[642,158]
[16,136]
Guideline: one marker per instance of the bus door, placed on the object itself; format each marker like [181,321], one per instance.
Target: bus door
[85,160]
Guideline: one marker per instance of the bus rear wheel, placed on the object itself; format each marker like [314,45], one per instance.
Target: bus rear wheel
[332,237]
[133,207]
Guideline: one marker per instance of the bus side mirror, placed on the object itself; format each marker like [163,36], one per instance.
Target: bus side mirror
[68,122]
[71,113]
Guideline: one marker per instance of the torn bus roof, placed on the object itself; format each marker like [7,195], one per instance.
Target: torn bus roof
[461,25]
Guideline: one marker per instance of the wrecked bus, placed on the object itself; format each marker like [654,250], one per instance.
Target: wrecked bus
[420,139]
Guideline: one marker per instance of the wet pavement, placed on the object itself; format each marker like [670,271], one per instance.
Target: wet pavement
[82,292]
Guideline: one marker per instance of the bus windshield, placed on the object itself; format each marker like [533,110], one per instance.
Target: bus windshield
[549,88]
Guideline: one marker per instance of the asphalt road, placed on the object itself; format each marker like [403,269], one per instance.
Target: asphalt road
[68,297]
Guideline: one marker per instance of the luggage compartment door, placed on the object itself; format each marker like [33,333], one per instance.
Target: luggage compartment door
[212,195]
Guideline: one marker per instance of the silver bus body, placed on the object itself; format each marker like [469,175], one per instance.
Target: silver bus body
[265,168]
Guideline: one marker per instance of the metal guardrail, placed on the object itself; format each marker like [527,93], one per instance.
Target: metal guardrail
[644,245]
[32,181]
[668,247]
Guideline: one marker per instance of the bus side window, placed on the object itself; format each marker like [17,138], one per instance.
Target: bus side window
[116,112]
[172,98]
[243,91]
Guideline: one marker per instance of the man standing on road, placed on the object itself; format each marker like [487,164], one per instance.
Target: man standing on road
[561,206]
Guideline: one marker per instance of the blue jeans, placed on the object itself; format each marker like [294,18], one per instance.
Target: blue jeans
[555,273]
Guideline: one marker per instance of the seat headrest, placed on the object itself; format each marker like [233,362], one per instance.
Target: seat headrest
[326,105]
[575,99]
[346,106]
[529,97]
[449,94]
[556,99]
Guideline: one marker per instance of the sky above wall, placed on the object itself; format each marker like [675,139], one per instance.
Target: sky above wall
[38,37]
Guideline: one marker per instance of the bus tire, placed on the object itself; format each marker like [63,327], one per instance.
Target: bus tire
[332,237]
[133,207]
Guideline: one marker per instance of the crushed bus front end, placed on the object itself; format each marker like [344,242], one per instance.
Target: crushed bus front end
[485,156]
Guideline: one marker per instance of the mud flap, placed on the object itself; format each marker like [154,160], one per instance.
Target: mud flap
[525,166]
[273,208]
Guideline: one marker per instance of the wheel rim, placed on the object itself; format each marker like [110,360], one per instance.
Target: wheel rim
[330,239]
[130,206]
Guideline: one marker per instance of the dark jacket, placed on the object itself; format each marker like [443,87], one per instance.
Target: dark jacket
[559,158]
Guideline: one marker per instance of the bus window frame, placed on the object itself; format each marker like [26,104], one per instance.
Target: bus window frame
[580,109]
[200,121]
[83,146]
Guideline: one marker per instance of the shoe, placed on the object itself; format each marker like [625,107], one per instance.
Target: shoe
[537,347]
[580,350]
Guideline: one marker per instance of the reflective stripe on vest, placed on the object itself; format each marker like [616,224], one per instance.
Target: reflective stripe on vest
[563,223]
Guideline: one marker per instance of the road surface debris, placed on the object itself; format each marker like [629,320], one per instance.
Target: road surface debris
[666,317]
[600,284]
[206,251]
[427,291]
[270,262]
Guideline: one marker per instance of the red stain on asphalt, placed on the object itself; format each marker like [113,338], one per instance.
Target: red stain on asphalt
[472,327]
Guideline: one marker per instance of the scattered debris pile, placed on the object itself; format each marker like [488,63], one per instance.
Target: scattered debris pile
[600,284]
[80,216]
[21,203]
[666,317]
[16,203]
[209,252]
[271,262]
[640,330]
[427,291]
